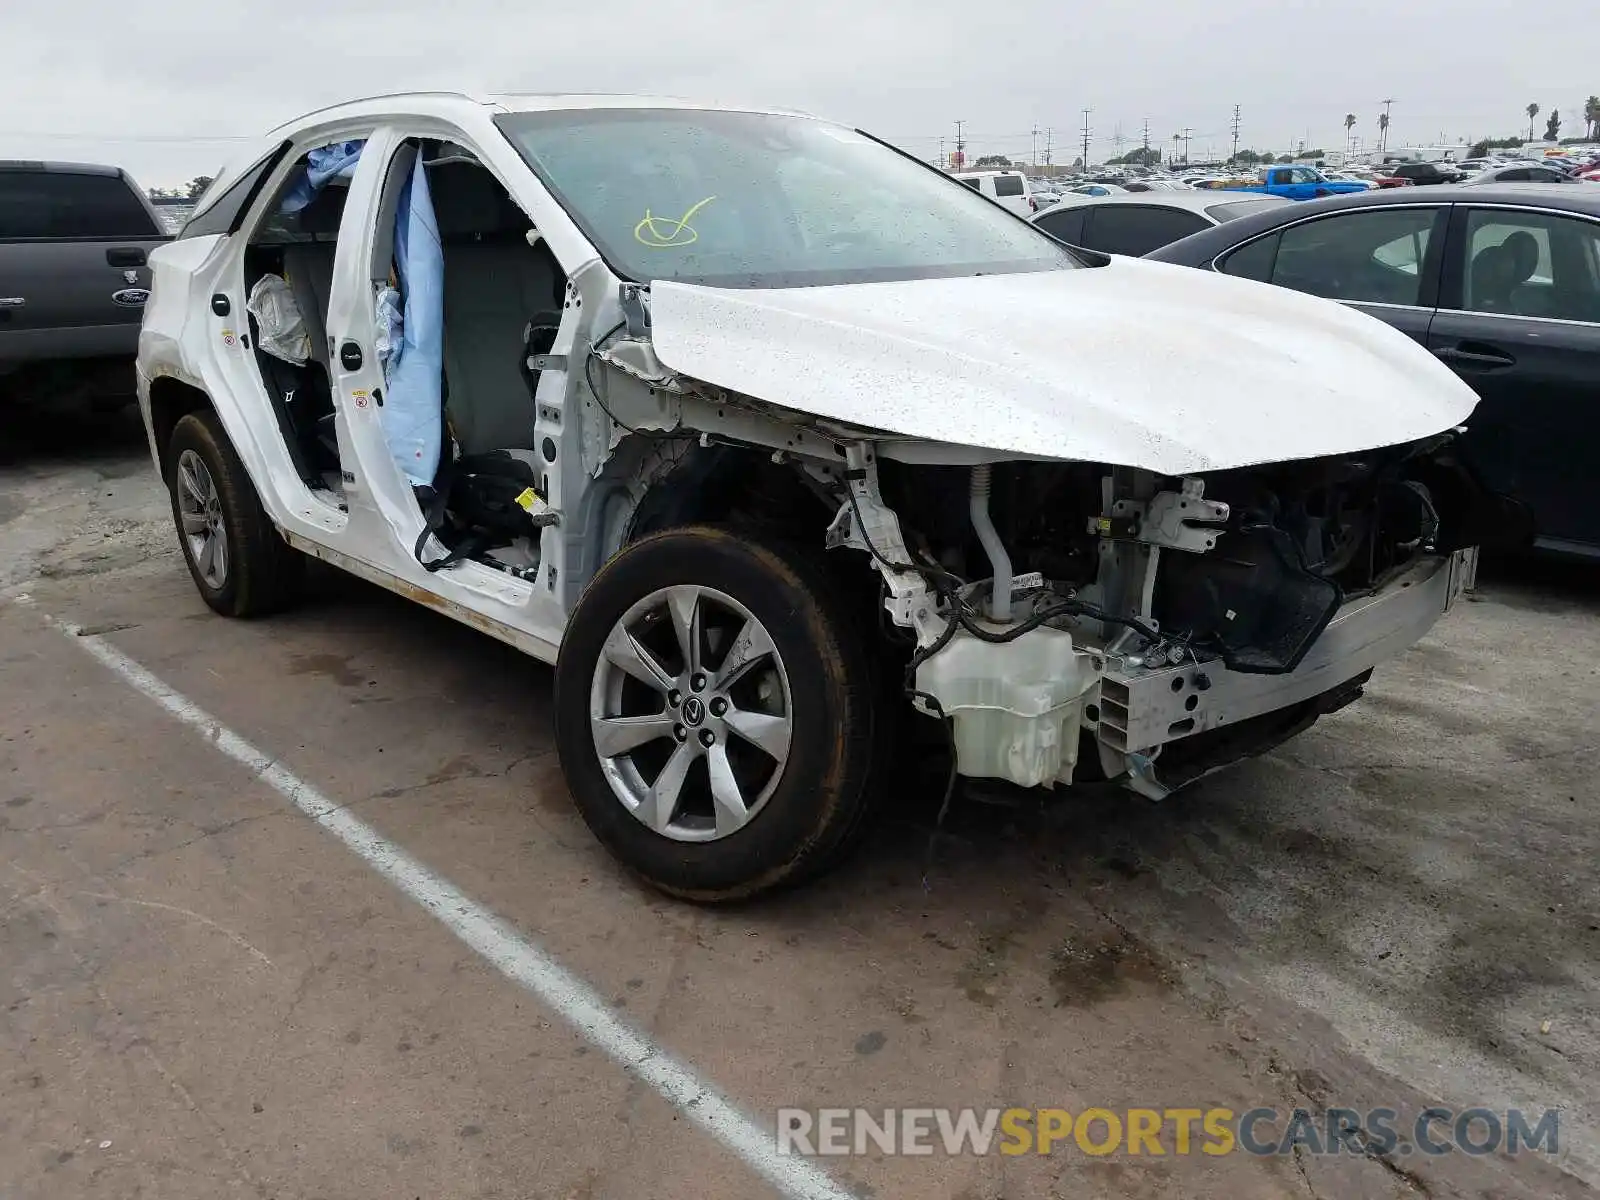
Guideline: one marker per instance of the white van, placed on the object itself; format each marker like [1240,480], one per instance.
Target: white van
[1006,188]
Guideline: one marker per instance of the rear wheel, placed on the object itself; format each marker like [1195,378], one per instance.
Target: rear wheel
[715,714]
[238,560]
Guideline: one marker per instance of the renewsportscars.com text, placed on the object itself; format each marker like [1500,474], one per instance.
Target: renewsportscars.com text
[1157,1132]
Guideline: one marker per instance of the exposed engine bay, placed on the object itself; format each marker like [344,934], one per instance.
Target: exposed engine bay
[1065,602]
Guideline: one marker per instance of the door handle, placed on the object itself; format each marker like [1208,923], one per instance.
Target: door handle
[350,356]
[126,256]
[1486,359]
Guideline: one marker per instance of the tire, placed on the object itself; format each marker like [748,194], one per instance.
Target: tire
[804,814]
[260,573]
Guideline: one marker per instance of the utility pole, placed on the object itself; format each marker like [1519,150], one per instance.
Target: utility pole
[1049,136]
[1176,138]
[1147,141]
[1235,153]
[1117,139]
[1383,138]
[1086,113]
[1186,132]
[961,147]
[1036,147]
[943,161]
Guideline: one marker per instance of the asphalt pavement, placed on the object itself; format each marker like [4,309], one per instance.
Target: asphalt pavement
[213,986]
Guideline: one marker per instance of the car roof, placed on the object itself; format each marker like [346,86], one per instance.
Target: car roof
[65,168]
[443,103]
[1189,201]
[1207,244]
[988,171]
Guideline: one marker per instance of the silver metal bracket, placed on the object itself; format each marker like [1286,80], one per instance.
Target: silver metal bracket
[635,304]
[1183,520]
[910,602]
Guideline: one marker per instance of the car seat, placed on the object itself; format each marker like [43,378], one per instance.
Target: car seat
[494,285]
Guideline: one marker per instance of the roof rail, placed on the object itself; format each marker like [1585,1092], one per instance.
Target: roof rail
[364,99]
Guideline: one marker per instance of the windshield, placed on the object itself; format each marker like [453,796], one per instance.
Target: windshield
[740,199]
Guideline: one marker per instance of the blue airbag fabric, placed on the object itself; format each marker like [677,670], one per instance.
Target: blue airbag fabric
[412,413]
[337,161]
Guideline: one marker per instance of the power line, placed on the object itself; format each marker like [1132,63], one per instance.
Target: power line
[173,139]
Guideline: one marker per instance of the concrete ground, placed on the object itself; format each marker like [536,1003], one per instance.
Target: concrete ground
[204,994]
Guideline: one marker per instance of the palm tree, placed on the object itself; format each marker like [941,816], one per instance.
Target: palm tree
[1383,131]
[1349,124]
[1591,116]
[1533,111]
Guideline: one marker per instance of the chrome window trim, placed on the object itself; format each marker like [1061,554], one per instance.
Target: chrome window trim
[1473,312]
[1381,304]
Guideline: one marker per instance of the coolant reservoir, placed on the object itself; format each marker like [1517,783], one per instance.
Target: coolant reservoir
[1016,707]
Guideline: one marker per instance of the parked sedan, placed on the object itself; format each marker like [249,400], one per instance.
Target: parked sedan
[1521,173]
[1500,281]
[1139,222]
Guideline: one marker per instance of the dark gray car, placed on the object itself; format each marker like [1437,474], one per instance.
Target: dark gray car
[1502,282]
[73,281]
[1136,223]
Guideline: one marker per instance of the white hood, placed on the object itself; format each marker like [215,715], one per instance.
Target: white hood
[1134,364]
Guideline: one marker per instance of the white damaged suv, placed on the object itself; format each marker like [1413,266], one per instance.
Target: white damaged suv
[768,435]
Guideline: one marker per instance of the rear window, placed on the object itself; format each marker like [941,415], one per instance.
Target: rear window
[1138,229]
[62,204]
[1064,224]
[1008,185]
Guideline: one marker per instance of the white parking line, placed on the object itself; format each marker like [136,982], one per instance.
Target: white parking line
[517,958]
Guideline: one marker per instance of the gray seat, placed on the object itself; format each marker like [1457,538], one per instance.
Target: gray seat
[494,283]
[308,266]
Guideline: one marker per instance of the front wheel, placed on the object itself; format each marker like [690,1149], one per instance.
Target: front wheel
[238,560]
[714,713]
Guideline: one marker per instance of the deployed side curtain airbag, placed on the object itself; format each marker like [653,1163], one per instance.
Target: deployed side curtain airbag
[413,420]
[323,164]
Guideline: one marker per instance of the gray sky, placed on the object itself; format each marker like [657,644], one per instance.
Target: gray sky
[114,81]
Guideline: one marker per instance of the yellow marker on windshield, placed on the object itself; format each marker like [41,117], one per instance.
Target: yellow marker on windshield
[663,233]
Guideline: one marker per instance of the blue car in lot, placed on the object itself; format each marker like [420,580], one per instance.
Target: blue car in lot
[1501,282]
[1297,183]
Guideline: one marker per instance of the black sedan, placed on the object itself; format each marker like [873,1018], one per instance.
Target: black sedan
[1502,282]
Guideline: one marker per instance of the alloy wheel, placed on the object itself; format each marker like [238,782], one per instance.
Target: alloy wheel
[200,513]
[690,713]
